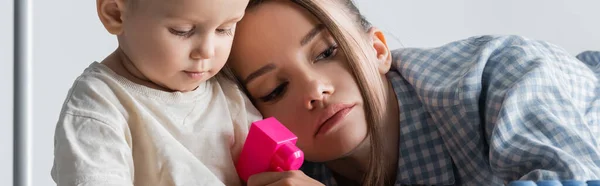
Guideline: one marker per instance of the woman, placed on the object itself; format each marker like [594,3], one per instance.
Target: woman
[481,111]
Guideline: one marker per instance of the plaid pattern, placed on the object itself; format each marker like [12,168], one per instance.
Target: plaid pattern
[488,110]
[591,58]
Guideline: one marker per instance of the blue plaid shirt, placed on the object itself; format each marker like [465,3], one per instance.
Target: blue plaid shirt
[591,58]
[488,110]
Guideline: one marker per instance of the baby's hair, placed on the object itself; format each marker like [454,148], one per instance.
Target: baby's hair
[349,28]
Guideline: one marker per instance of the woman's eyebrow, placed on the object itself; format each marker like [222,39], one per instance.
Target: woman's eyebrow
[311,34]
[261,71]
[269,67]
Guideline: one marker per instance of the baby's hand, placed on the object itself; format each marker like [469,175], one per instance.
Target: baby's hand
[287,178]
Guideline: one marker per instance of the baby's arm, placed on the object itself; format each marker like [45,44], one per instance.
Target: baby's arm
[90,152]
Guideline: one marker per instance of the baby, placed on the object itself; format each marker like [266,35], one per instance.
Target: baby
[153,112]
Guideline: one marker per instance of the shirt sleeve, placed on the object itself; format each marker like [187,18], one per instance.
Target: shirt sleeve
[542,113]
[89,152]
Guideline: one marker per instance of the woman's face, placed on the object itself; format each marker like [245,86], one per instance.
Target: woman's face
[293,70]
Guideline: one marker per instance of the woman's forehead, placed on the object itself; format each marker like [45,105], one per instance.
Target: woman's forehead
[282,14]
[271,29]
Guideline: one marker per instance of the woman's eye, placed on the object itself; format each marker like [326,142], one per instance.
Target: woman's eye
[182,33]
[329,52]
[276,93]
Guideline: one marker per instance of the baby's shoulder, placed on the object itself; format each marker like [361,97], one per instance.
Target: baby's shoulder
[94,94]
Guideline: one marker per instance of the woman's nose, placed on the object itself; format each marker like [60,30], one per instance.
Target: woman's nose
[316,93]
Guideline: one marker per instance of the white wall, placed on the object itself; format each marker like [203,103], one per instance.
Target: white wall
[572,24]
[68,36]
[6,91]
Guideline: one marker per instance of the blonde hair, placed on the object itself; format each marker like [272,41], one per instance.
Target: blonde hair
[348,27]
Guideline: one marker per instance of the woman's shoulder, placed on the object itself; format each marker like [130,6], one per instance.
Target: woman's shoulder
[477,52]
[476,46]
[468,64]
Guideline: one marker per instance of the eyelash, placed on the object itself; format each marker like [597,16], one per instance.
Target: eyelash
[276,93]
[182,33]
[186,34]
[228,32]
[280,90]
[329,52]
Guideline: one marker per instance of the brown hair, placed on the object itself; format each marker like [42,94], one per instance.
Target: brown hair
[348,27]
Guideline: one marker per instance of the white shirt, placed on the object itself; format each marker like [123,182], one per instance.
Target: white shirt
[112,131]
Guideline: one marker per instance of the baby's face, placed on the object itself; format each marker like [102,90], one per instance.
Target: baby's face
[178,44]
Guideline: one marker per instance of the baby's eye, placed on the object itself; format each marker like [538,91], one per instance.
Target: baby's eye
[182,32]
[226,31]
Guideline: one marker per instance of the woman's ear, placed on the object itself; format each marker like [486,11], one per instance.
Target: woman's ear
[384,57]
[111,15]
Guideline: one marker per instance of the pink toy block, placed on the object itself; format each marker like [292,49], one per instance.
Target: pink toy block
[269,147]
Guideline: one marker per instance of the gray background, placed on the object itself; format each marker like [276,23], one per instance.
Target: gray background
[68,37]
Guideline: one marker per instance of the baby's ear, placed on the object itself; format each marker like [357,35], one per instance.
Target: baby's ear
[384,57]
[111,15]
